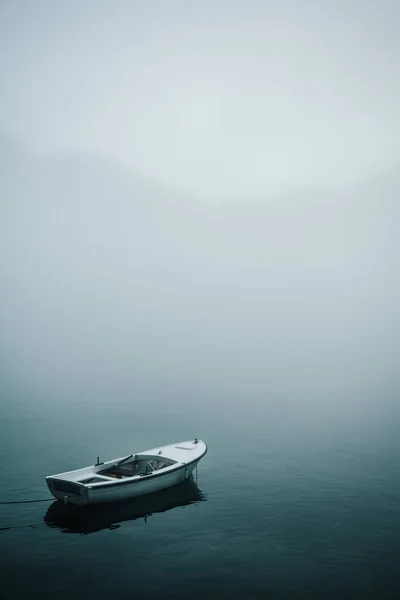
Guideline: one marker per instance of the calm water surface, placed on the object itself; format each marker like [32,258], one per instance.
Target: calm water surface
[291,501]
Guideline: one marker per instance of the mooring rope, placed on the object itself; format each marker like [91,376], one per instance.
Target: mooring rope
[26,501]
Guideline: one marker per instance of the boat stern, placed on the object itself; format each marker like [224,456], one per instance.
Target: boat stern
[69,491]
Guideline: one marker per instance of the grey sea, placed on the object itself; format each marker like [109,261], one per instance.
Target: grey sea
[295,498]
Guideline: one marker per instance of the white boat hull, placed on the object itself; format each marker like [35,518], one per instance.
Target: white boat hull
[94,485]
[125,491]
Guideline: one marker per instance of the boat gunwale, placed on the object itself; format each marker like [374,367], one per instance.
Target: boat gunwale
[97,486]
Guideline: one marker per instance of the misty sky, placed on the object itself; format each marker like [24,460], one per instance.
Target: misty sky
[224,98]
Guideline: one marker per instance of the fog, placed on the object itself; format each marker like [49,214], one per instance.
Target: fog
[185,213]
[111,284]
[220,98]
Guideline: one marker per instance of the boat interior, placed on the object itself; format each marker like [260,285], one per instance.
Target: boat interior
[136,466]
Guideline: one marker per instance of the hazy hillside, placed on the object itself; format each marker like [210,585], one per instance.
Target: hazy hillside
[107,277]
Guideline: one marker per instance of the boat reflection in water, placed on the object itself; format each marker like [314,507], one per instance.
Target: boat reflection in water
[84,520]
